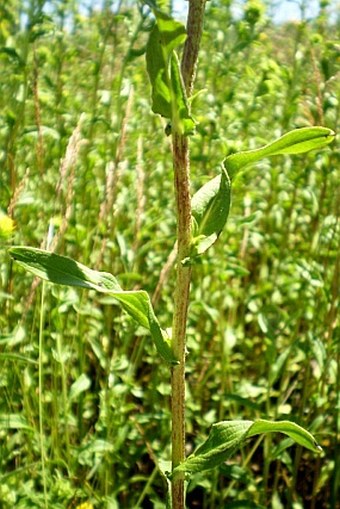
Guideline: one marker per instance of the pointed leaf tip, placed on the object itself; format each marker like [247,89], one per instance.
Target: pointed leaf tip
[297,433]
[297,141]
[226,437]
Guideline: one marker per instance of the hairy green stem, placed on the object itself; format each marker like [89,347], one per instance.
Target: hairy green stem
[181,164]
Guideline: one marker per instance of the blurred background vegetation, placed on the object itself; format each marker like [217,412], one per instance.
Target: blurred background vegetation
[85,169]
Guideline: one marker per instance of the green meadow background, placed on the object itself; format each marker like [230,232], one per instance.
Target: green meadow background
[86,170]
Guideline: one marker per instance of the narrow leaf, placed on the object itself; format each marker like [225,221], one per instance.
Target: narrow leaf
[180,108]
[227,436]
[210,208]
[159,75]
[62,270]
[293,430]
[295,142]
[65,271]
[168,93]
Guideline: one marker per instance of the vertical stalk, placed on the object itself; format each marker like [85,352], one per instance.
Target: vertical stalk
[181,298]
[181,163]
[41,388]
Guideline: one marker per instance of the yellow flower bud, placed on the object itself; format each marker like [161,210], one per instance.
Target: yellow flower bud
[6,226]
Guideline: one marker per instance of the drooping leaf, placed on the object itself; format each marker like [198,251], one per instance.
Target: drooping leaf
[210,209]
[168,93]
[227,436]
[295,142]
[300,435]
[65,271]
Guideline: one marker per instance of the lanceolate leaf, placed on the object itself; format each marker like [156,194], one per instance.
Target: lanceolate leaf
[227,436]
[293,430]
[168,94]
[210,208]
[180,108]
[295,142]
[159,75]
[65,271]
[62,270]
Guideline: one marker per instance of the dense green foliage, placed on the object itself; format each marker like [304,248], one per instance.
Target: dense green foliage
[83,157]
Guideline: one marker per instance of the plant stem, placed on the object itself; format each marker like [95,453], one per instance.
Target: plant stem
[181,163]
[183,205]
[41,388]
[192,43]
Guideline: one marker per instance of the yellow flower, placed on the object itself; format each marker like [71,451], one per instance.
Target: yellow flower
[85,505]
[6,226]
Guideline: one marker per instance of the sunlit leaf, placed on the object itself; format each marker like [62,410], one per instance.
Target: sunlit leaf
[211,203]
[65,271]
[300,435]
[295,142]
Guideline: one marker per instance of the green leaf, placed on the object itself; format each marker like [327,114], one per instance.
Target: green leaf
[62,270]
[168,93]
[65,271]
[181,118]
[210,209]
[82,384]
[227,436]
[295,142]
[293,430]
[12,54]
[14,421]
[159,75]
[211,203]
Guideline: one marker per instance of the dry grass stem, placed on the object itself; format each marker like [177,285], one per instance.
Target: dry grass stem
[164,275]
[18,190]
[140,180]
